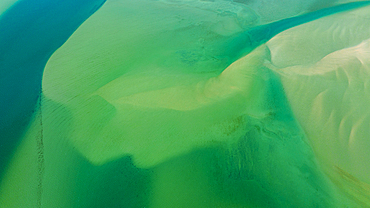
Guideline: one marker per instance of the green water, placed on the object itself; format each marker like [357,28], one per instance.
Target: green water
[141,107]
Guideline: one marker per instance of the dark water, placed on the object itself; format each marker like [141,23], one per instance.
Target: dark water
[256,171]
[31,30]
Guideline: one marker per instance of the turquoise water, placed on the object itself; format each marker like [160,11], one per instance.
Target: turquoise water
[145,103]
[30,32]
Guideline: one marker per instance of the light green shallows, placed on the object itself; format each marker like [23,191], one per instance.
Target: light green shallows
[6,4]
[144,79]
[144,88]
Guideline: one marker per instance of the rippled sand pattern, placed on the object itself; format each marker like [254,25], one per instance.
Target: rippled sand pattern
[184,104]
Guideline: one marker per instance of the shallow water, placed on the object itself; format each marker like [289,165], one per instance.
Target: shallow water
[182,104]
